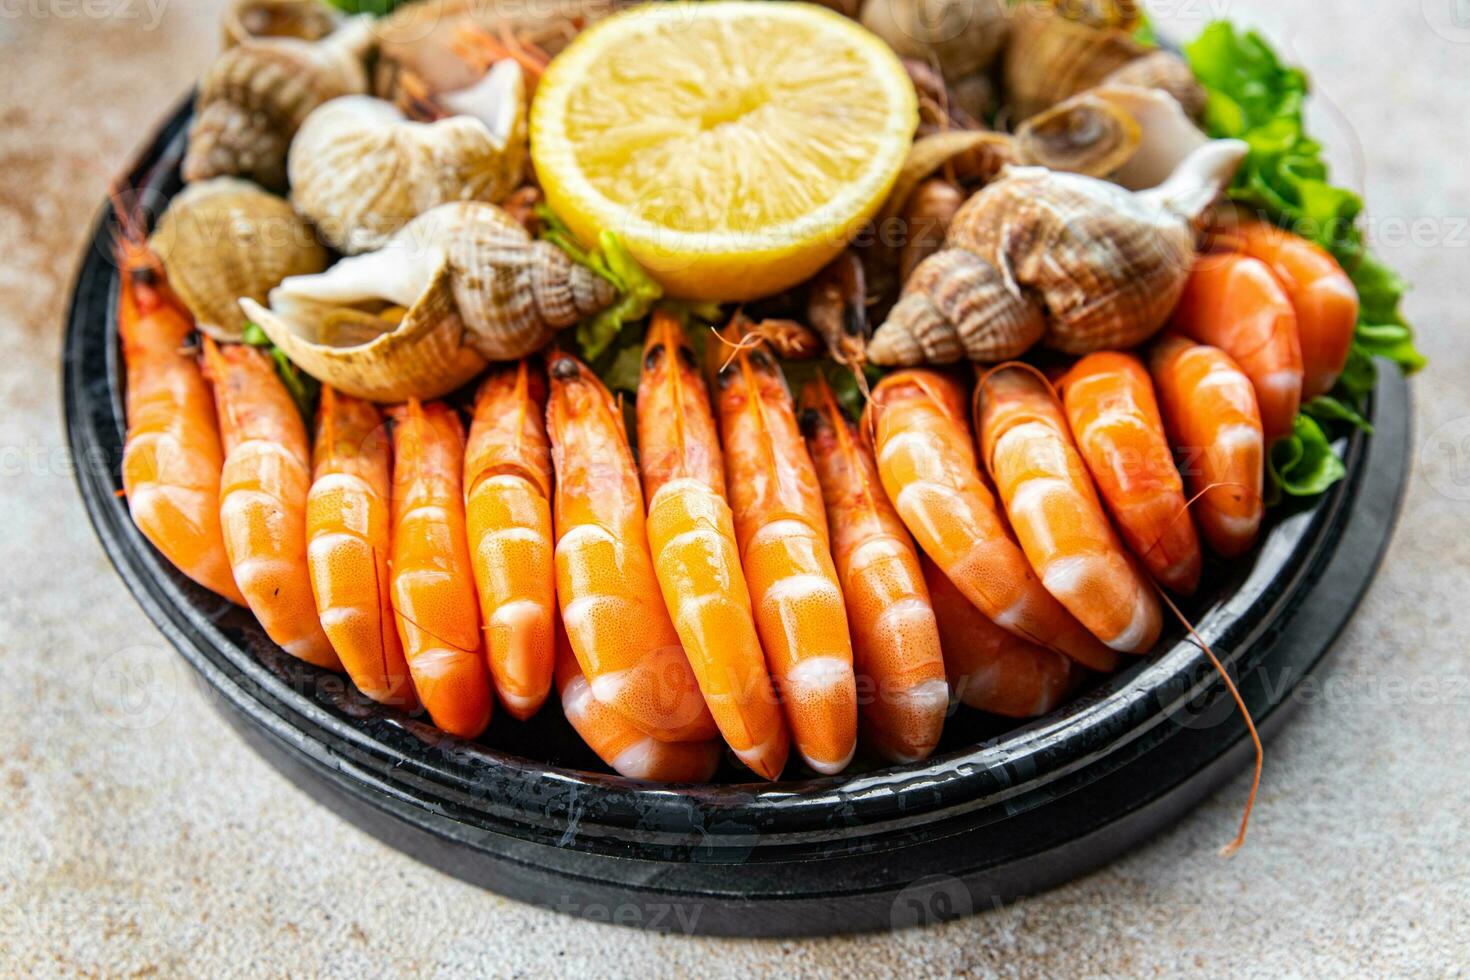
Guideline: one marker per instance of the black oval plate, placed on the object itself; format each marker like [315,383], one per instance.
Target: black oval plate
[999,811]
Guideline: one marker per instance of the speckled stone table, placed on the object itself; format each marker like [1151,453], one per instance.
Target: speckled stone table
[139,835]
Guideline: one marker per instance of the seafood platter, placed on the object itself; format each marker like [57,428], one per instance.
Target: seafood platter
[753,467]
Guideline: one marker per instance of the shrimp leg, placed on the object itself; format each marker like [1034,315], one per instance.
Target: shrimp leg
[692,537]
[781,526]
[1209,408]
[1236,303]
[348,543]
[626,750]
[926,461]
[610,602]
[1053,507]
[1115,420]
[263,490]
[1325,300]
[433,588]
[172,458]
[991,669]
[895,637]
[507,477]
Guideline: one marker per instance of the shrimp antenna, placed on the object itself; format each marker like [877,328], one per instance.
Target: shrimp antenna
[1250,724]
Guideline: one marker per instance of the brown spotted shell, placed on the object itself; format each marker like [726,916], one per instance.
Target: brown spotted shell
[1051,57]
[1100,267]
[257,94]
[459,286]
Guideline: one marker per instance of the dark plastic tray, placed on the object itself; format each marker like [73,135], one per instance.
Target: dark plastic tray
[1001,810]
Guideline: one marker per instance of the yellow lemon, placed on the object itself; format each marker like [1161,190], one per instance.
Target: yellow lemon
[733,146]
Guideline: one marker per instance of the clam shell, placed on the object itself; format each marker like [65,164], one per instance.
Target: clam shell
[225,239]
[256,95]
[1051,58]
[361,170]
[309,20]
[475,288]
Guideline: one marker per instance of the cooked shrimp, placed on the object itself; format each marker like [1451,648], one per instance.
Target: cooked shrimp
[1209,409]
[1325,300]
[1236,303]
[927,464]
[433,588]
[615,616]
[507,477]
[348,543]
[628,751]
[991,669]
[692,537]
[1054,510]
[172,458]
[1115,420]
[262,503]
[903,694]
[782,530]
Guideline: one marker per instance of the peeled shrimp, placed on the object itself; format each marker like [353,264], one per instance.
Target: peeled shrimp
[433,589]
[172,458]
[1325,300]
[991,669]
[927,464]
[262,504]
[692,537]
[1053,507]
[614,614]
[507,478]
[782,530]
[348,532]
[1115,420]
[1209,408]
[904,696]
[628,751]
[1236,303]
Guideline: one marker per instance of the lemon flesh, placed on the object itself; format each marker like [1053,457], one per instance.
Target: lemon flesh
[733,146]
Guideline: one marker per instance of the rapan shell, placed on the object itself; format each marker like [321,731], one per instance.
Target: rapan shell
[1100,267]
[310,20]
[257,94]
[475,288]
[225,239]
[361,170]
[1051,57]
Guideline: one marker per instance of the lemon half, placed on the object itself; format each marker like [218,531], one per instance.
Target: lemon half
[733,146]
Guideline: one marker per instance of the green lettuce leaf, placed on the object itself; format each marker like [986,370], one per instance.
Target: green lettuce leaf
[1303,463]
[377,7]
[303,388]
[1256,98]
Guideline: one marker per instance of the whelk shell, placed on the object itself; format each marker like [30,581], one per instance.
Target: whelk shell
[224,239]
[1051,57]
[1074,262]
[361,170]
[457,287]
[961,36]
[257,94]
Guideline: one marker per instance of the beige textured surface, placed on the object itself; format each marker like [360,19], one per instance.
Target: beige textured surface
[137,834]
